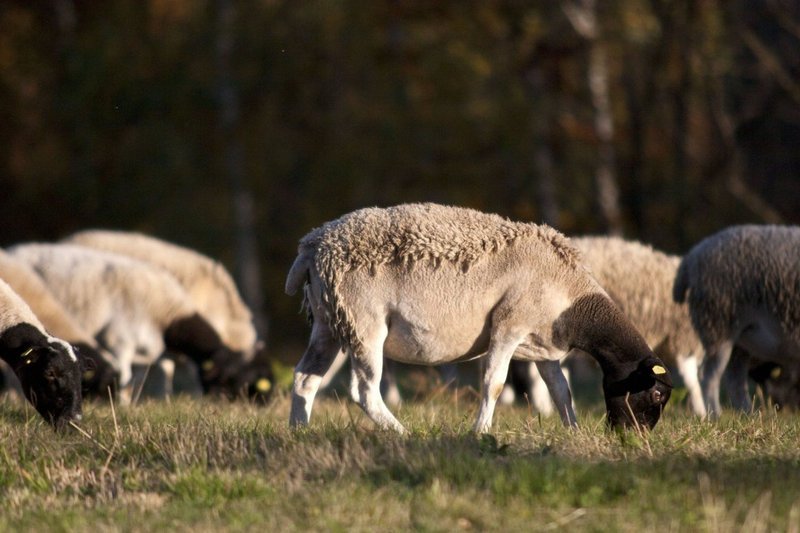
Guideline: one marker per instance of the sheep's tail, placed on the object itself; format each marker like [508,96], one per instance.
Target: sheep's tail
[299,273]
[681,285]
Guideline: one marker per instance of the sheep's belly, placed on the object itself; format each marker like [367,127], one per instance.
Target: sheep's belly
[436,341]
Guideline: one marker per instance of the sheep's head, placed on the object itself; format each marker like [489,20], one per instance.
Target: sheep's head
[255,379]
[637,396]
[780,383]
[49,372]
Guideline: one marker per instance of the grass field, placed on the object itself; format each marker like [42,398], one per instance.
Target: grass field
[190,465]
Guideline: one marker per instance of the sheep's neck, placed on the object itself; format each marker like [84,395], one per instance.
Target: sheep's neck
[595,325]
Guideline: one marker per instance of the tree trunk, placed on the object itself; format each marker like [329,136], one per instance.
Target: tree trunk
[248,272]
[543,164]
[584,19]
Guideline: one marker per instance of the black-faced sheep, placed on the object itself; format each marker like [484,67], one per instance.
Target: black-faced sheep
[99,373]
[429,284]
[47,367]
[135,310]
[210,287]
[741,285]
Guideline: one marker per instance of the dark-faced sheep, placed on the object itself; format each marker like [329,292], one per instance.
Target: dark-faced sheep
[429,284]
[210,287]
[99,373]
[135,310]
[741,285]
[47,367]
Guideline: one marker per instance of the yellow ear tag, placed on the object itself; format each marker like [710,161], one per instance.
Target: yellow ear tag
[263,385]
[208,364]
[26,353]
[776,373]
[658,369]
[89,374]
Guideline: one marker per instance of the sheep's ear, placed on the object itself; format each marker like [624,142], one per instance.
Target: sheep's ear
[658,370]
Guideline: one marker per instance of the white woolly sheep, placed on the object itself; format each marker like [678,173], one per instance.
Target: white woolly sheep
[429,284]
[741,285]
[47,367]
[208,282]
[639,279]
[135,310]
[211,288]
[99,373]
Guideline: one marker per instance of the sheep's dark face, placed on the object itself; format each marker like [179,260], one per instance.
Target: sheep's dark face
[51,380]
[781,384]
[48,370]
[638,398]
[255,380]
[97,375]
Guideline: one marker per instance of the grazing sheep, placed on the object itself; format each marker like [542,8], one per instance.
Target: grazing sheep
[99,373]
[47,367]
[210,287]
[741,285]
[135,310]
[429,284]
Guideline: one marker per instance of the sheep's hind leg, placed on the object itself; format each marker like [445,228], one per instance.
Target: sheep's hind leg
[321,351]
[367,368]
[553,376]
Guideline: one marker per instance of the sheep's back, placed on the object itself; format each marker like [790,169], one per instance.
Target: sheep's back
[745,267]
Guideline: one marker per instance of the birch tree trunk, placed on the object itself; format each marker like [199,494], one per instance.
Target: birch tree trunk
[583,16]
[248,272]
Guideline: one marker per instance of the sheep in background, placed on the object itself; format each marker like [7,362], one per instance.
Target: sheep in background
[210,287]
[430,284]
[99,373]
[47,367]
[135,310]
[741,285]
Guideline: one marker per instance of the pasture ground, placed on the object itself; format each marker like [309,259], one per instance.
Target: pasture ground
[199,465]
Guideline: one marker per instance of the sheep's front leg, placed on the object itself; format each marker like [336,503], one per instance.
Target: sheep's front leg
[317,359]
[367,366]
[714,365]
[736,380]
[557,384]
[497,360]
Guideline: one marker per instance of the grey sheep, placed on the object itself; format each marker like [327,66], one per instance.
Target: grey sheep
[741,285]
[430,284]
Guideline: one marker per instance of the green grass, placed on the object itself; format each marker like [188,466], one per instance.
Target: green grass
[191,465]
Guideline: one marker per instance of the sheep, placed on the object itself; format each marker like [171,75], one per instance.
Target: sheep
[135,310]
[639,279]
[741,285]
[211,288]
[100,373]
[431,284]
[47,367]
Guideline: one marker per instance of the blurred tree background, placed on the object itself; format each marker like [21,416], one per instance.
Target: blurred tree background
[234,127]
